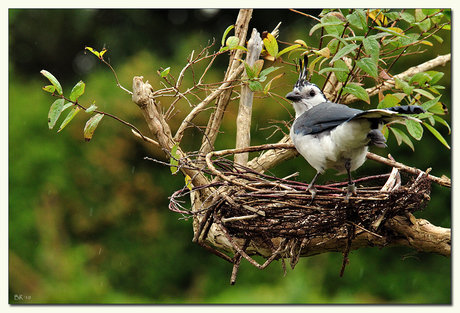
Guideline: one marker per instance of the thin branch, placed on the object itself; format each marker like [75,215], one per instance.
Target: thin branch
[443,181]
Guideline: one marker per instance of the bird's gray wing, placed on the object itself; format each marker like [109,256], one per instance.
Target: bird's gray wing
[322,117]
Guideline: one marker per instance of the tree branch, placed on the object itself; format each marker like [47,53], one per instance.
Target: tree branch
[243,120]
[234,69]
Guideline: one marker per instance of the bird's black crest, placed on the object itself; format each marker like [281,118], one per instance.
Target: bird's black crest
[303,80]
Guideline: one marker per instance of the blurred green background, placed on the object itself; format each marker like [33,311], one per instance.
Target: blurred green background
[89,221]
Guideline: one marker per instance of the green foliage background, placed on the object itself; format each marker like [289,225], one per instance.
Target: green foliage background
[89,221]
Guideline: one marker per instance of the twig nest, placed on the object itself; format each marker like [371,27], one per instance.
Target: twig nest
[256,212]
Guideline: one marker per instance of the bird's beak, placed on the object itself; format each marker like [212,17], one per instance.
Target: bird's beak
[293,96]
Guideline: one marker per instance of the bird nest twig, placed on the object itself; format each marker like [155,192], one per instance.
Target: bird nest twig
[250,213]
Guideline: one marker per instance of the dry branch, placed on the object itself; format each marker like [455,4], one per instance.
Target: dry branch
[243,120]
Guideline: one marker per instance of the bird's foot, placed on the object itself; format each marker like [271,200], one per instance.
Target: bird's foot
[351,189]
[312,190]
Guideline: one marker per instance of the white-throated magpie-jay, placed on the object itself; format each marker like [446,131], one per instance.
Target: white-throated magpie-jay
[332,135]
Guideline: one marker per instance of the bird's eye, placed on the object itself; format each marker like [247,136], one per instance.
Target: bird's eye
[312,93]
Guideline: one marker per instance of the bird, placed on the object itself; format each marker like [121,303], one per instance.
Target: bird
[334,136]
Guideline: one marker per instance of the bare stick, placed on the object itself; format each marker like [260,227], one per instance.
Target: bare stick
[243,120]
[235,68]
[443,181]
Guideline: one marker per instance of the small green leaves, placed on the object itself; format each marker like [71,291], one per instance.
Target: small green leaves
[256,75]
[55,112]
[77,91]
[230,43]
[53,81]
[91,126]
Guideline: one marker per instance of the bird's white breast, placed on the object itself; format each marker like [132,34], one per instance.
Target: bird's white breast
[330,149]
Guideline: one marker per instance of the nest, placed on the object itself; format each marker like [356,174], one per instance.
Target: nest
[247,213]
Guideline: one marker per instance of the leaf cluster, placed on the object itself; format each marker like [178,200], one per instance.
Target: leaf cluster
[359,47]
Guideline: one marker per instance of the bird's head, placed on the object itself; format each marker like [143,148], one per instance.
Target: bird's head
[305,95]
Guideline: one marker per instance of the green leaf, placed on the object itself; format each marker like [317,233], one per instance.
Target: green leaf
[91,126]
[443,122]
[333,24]
[55,112]
[420,79]
[388,101]
[267,71]
[226,33]
[49,88]
[257,67]
[232,42]
[402,137]
[336,70]
[52,80]
[428,104]
[415,129]
[424,92]
[436,77]
[311,66]
[344,51]
[249,70]
[342,70]
[390,31]
[437,134]
[407,17]
[67,105]
[285,50]
[439,109]
[408,39]
[372,48]
[271,45]
[174,160]
[164,72]
[224,49]
[357,91]
[368,66]
[69,117]
[77,91]
[420,19]
[404,86]
[91,108]
[255,86]
[358,19]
